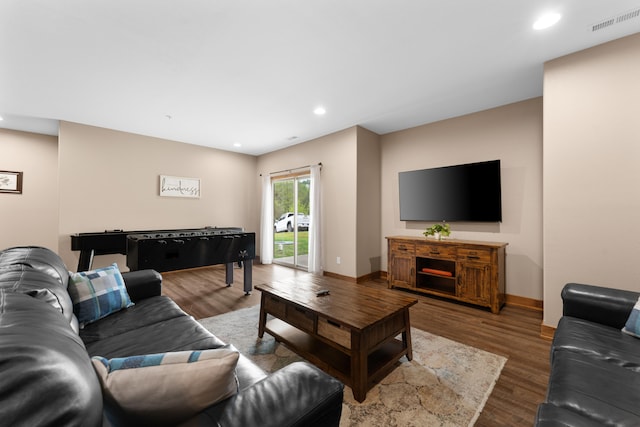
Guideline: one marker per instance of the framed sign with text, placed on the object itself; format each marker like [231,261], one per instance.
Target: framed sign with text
[176,186]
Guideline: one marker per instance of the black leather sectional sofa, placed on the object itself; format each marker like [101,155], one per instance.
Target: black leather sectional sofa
[595,367]
[47,377]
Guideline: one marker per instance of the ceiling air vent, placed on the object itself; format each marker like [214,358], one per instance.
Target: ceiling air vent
[603,24]
[628,15]
[616,20]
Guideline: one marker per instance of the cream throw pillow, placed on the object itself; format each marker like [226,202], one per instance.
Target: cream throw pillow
[170,387]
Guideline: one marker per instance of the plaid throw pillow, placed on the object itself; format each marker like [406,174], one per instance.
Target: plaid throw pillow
[632,327]
[97,293]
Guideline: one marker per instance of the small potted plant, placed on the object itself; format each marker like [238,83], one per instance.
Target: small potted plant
[438,231]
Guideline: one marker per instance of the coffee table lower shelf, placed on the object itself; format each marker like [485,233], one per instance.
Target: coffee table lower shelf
[337,362]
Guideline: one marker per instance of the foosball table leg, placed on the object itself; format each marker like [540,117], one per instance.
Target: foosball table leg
[229,273]
[248,276]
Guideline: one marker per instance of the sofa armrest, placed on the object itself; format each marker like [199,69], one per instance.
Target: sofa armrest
[142,284]
[297,395]
[598,304]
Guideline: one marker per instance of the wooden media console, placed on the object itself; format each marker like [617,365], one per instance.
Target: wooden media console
[463,270]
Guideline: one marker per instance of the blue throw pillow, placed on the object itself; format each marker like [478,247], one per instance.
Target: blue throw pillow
[632,327]
[98,293]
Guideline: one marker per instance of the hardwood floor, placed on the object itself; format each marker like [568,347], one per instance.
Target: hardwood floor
[514,333]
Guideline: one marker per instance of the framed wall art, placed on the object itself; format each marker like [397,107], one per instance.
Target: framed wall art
[10,182]
[176,186]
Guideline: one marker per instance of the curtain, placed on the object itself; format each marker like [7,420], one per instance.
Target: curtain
[266,226]
[315,212]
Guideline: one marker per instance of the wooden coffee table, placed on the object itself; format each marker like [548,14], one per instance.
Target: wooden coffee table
[349,333]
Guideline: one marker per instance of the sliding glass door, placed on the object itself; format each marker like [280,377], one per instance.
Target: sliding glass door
[291,220]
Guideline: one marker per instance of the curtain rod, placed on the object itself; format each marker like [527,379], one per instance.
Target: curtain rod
[293,169]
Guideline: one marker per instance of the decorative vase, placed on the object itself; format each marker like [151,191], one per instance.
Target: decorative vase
[437,236]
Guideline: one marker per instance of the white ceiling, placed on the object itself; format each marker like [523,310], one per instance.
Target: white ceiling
[219,72]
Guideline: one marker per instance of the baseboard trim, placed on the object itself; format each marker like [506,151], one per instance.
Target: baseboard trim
[365,278]
[525,302]
[340,276]
[547,332]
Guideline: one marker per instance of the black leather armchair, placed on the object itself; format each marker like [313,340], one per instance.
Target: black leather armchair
[595,367]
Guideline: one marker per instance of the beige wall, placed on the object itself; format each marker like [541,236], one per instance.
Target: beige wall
[368,225]
[591,170]
[338,154]
[30,218]
[513,134]
[109,180]
[91,179]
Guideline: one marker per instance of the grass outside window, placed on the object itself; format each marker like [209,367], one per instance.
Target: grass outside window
[283,244]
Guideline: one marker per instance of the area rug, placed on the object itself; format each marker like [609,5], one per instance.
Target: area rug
[446,383]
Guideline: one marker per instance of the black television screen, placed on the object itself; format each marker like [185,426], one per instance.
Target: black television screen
[469,192]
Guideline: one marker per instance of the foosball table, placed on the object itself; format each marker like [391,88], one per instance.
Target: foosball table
[170,250]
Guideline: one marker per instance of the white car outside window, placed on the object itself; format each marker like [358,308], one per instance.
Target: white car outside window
[286,222]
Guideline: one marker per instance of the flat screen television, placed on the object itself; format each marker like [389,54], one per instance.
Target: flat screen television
[469,192]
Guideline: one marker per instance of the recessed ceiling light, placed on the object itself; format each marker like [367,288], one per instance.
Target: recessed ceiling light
[546,21]
[237,144]
[1,119]
[319,111]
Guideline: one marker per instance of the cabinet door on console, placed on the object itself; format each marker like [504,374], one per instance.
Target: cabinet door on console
[402,264]
[403,271]
[474,282]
